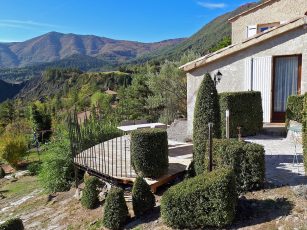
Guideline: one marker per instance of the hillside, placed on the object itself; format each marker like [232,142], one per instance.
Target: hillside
[202,41]
[78,61]
[55,46]
[8,91]
[60,83]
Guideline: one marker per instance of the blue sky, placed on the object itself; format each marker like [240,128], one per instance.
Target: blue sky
[137,20]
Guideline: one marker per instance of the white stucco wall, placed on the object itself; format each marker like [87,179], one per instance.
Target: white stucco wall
[233,67]
[276,11]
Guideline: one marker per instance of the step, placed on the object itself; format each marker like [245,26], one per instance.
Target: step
[274,129]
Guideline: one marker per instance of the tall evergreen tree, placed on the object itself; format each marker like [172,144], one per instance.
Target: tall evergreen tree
[206,111]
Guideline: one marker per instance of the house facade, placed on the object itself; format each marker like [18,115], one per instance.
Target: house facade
[268,54]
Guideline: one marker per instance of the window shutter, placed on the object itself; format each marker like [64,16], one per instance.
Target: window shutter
[251,31]
[258,77]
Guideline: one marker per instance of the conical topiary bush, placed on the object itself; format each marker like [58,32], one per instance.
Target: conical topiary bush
[115,210]
[90,193]
[142,197]
[206,111]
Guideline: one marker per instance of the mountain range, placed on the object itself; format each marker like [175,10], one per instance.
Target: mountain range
[55,46]
[25,60]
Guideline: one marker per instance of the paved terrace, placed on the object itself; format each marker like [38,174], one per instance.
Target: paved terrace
[279,154]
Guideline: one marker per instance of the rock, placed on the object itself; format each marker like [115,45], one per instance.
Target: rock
[9,177]
[300,191]
[20,174]
[77,194]
[281,227]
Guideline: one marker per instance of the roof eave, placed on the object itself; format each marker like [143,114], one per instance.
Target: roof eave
[244,45]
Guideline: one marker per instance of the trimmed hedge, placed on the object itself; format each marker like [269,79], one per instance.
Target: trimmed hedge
[149,152]
[90,193]
[2,173]
[12,224]
[143,199]
[305,133]
[246,159]
[295,106]
[245,111]
[115,210]
[203,201]
[207,110]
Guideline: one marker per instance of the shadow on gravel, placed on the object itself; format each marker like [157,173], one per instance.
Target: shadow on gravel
[150,217]
[252,212]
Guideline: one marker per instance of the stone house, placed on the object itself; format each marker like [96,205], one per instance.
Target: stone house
[268,54]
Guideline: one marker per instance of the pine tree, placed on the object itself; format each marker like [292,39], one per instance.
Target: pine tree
[206,111]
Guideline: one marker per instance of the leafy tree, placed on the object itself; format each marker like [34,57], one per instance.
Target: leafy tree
[206,111]
[132,100]
[7,112]
[13,148]
[41,119]
[224,42]
[169,90]
[57,171]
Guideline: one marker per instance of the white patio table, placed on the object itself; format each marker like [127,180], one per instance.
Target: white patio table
[129,128]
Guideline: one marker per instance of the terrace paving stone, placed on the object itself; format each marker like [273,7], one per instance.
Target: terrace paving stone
[279,153]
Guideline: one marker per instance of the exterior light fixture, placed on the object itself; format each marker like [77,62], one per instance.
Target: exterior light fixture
[217,77]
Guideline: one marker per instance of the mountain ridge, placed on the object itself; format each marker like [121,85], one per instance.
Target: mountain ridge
[54,46]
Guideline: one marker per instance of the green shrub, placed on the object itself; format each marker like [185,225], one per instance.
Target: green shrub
[34,168]
[206,111]
[57,171]
[295,106]
[246,159]
[13,148]
[2,173]
[142,197]
[149,152]
[115,210]
[90,193]
[305,133]
[12,224]
[203,201]
[245,111]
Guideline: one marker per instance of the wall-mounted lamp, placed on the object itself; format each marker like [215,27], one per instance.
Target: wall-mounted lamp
[217,77]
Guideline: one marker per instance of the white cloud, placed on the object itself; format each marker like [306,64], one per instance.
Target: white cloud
[211,6]
[26,24]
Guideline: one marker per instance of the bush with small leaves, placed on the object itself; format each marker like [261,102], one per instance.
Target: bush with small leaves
[207,200]
[90,193]
[115,210]
[34,168]
[149,152]
[12,224]
[2,173]
[143,199]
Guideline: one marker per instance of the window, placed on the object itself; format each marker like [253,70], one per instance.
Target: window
[264,27]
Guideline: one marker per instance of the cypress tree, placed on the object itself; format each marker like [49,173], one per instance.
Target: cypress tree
[206,111]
